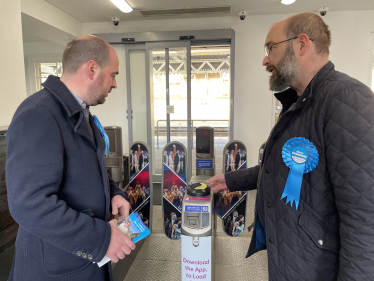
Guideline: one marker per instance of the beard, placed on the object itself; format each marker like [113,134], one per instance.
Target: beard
[285,72]
[97,92]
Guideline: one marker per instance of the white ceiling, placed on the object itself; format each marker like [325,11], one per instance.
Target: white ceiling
[103,10]
[34,30]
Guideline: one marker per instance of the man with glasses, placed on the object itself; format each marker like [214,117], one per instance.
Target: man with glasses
[327,234]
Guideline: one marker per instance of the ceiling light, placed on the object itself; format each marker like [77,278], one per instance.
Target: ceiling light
[287,2]
[122,5]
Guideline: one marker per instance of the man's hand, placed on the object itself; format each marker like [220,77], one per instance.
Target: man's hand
[120,206]
[120,245]
[217,182]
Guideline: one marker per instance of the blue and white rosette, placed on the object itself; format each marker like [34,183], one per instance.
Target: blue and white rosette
[103,134]
[301,156]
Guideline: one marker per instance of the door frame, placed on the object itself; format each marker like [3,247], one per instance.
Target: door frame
[151,40]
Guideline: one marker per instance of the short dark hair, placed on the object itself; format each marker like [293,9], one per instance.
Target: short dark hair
[313,26]
[80,51]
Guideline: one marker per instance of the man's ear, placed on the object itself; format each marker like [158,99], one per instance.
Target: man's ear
[303,44]
[92,69]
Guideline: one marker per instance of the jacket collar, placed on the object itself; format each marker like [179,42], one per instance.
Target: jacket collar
[289,96]
[54,85]
[58,89]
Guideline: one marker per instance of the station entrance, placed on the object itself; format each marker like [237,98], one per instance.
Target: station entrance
[175,87]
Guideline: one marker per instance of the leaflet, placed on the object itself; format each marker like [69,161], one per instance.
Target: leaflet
[134,228]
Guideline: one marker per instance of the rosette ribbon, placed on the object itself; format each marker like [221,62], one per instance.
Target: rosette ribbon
[301,156]
[103,134]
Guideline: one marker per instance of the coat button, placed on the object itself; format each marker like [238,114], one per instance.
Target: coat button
[90,257]
[321,242]
[271,240]
[79,253]
[268,171]
[84,255]
[269,205]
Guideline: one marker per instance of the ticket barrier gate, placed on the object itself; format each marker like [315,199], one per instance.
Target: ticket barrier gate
[197,233]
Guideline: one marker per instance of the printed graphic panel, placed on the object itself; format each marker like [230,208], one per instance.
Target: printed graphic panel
[138,191]
[235,158]
[234,220]
[196,258]
[138,159]
[172,220]
[174,186]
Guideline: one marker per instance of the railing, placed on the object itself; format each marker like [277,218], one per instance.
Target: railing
[222,129]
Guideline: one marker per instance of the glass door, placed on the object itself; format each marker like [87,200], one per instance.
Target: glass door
[169,97]
[175,87]
[210,98]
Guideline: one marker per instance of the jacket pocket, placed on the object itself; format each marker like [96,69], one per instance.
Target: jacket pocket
[321,236]
[57,262]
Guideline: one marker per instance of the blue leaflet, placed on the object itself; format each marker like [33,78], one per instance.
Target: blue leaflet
[139,226]
[104,135]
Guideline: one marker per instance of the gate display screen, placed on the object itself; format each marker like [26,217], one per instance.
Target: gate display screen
[202,141]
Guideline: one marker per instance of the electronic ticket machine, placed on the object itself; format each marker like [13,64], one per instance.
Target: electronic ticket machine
[197,226]
[205,164]
[197,233]
[197,215]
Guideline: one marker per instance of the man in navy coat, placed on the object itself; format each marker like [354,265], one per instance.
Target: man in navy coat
[59,191]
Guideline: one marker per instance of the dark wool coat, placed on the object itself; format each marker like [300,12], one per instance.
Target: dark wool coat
[59,191]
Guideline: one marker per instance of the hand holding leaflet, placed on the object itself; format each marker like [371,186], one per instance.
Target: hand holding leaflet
[134,228]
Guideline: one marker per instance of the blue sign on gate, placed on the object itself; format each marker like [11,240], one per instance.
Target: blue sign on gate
[193,208]
[204,164]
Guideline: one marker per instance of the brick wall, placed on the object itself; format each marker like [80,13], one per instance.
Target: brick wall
[8,227]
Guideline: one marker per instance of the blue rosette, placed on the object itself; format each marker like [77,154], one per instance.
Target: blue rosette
[301,156]
[103,134]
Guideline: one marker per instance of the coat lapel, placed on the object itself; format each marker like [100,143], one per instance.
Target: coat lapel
[82,128]
[100,144]
[71,106]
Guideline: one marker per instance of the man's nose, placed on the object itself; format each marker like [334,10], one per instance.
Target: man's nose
[266,61]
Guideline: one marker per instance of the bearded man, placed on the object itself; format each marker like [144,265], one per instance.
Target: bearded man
[319,156]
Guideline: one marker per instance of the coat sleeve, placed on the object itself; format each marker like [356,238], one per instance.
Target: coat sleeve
[349,146]
[114,189]
[34,172]
[242,180]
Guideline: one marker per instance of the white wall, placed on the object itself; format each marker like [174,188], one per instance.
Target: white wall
[113,111]
[352,46]
[351,52]
[12,80]
[35,52]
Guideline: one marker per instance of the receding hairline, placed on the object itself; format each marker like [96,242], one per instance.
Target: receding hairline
[272,26]
[83,49]
[310,24]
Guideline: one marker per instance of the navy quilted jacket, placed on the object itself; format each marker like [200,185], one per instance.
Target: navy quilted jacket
[331,234]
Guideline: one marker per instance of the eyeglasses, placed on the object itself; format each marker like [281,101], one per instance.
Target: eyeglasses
[269,48]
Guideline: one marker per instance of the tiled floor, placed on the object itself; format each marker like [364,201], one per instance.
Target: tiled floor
[159,257]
